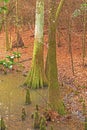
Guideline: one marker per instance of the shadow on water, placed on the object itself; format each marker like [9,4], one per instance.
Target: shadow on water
[12,100]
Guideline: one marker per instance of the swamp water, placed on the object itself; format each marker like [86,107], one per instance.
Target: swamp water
[12,100]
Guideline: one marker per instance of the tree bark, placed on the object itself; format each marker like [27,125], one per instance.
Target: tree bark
[36,77]
[8,47]
[54,92]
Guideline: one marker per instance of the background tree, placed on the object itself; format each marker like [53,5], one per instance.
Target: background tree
[84,7]
[5,21]
[36,77]
[6,28]
[82,13]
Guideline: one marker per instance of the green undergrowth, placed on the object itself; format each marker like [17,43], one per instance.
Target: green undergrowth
[10,61]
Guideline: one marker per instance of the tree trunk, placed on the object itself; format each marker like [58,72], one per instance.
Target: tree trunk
[84,35]
[54,92]
[36,77]
[6,29]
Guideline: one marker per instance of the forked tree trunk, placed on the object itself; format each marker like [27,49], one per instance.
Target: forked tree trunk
[36,77]
[55,101]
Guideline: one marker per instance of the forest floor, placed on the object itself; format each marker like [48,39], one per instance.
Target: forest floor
[73,87]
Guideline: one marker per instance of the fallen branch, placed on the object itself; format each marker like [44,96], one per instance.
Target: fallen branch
[25,60]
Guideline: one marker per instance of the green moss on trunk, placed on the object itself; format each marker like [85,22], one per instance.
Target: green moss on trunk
[36,77]
[54,92]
